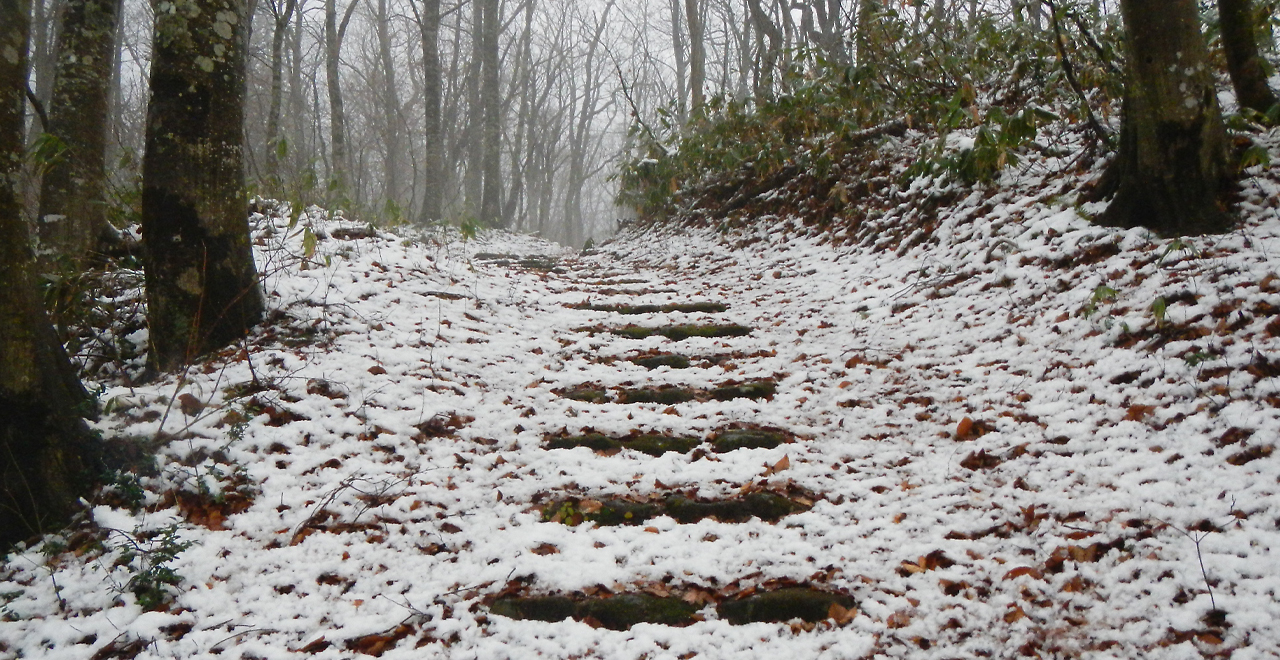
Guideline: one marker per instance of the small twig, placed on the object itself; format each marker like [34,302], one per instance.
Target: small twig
[39,108]
[1069,71]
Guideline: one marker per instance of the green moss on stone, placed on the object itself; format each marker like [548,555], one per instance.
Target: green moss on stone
[761,389]
[587,394]
[681,332]
[657,445]
[730,440]
[630,310]
[667,395]
[622,612]
[782,605]
[616,613]
[593,441]
[765,506]
[546,608]
[662,360]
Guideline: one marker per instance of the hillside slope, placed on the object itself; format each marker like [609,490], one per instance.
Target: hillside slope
[998,431]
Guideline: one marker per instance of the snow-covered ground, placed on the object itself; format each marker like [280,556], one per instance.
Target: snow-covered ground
[1037,437]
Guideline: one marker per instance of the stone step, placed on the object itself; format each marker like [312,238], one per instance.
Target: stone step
[672,394]
[631,310]
[622,611]
[769,507]
[684,331]
[657,444]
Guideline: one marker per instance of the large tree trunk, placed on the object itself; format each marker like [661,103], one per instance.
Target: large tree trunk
[491,102]
[47,455]
[433,179]
[73,213]
[1240,44]
[1171,172]
[202,288]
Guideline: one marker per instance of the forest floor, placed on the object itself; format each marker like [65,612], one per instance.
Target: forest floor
[1030,436]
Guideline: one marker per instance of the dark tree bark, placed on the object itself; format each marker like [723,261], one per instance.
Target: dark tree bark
[1240,44]
[282,13]
[1171,172]
[392,188]
[73,209]
[202,287]
[334,32]
[47,455]
[697,55]
[491,104]
[433,125]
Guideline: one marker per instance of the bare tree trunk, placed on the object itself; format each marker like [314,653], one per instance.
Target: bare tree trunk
[392,188]
[491,104]
[682,63]
[764,25]
[334,31]
[473,186]
[1240,44]
[46,452]
[433,160]
[1171,173]
[282,15]
[202,287]
[697,55]
[73,207]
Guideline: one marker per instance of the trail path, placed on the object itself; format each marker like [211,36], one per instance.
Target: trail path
[685,445]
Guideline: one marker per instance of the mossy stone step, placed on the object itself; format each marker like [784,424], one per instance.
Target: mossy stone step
[631,310]
[685,331]
[803,603]
[649,443]
[666,395]
[672,394]
[615,613]
[662,360]
[732,439]
[587,394]
[656,444]
[768,507]
[757,389]
[533,262]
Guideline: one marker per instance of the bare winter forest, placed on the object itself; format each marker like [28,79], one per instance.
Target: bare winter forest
[639,329]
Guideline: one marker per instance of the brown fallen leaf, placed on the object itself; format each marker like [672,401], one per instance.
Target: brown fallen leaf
[964,430]
[777,467]
[1023,570]
[590,506]
[840,614]
[545,549]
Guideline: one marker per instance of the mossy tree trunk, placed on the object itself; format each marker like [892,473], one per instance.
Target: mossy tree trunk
[47,455]
[1240,44]
[433,124]
[73,208]
[491,109]
[202,287]
[1171,174]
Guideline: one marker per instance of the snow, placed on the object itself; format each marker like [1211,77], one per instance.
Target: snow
[1104,426]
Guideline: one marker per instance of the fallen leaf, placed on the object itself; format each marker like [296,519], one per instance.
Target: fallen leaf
[590,506]
[1023,570]
[964,430]
[840,614]
[545,549]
